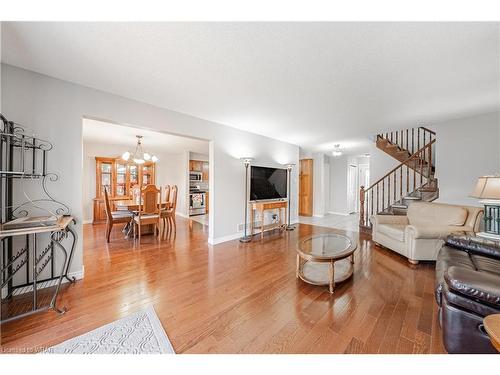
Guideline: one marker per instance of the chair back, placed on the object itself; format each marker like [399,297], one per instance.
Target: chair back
[135,191]
[167,193]
[150,199]
[107,205]
[174,197]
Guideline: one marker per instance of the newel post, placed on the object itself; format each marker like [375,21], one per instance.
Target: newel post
[362,206]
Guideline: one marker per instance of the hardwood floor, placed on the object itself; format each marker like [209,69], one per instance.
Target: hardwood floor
[242,298]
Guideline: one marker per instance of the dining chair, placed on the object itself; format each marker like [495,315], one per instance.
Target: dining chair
[168,215]
[114,217]
[167,194]
[149,210]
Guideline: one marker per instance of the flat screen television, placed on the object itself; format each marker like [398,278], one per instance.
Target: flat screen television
[267,183]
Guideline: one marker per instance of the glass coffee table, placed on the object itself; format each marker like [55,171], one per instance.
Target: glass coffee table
[325,259]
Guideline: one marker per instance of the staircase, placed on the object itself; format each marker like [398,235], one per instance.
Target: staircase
[411,180]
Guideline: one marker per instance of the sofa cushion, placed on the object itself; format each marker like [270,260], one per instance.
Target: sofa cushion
[480,286]
[395,231]
[426,213]
[448,257]
[474,244]
[486,264]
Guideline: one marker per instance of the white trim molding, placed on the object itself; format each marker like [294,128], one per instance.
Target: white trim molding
[338,213]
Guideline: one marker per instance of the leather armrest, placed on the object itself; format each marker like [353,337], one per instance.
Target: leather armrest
[434,231]
[389,219]
[480,286]
[476,245]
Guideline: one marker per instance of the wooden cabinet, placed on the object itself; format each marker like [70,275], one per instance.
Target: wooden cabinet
[306,187]
[204,171]
[118,177]
[196,166]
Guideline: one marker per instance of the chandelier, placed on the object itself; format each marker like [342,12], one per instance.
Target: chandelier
[139,156]
[336,150]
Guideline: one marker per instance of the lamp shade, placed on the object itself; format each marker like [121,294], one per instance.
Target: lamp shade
[487,187]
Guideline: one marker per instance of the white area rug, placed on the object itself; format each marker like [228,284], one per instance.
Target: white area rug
[140,333]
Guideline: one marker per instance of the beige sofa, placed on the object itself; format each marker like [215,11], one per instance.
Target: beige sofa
[420,234]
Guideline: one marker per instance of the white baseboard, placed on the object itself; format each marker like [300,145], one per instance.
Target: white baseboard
[87,221]
[182,215]
[234,236]
[319,215]
[78,275]
[215,241]
[338,213]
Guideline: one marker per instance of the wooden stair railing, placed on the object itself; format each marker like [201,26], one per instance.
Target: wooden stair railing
[410,176]
[410,140]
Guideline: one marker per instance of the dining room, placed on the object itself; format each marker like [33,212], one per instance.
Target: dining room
[136,181]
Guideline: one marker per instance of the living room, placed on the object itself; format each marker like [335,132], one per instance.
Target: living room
[340,204]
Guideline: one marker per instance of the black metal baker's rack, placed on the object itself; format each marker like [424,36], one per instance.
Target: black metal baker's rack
[28,257]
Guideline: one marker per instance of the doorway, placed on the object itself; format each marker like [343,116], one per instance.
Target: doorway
[352,188]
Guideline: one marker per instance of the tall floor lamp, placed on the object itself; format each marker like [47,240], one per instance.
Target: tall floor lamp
[247,162]
[288,186]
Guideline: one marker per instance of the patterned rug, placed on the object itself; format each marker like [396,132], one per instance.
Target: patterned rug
[140,333]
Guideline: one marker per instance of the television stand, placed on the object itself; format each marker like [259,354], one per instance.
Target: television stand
[262,207]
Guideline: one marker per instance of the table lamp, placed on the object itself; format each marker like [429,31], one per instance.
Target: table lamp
[488,191]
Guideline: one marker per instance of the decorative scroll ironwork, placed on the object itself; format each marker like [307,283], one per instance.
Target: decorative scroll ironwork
[56,207]
[23,158]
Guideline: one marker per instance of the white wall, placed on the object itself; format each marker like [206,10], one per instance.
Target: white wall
[171,169]
[380,163]
[318,184]
[55,108]
[338,184]
[466,149]
[198,156]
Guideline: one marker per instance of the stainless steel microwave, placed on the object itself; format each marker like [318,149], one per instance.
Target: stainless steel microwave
[194,176]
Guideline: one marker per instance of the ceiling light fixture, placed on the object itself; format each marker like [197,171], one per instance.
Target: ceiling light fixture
[139,156]
[336,151]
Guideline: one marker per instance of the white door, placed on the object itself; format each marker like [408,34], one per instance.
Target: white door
[326,190]
[352,185]
[364,175]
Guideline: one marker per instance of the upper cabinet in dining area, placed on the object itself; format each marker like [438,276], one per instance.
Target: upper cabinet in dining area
[118,176]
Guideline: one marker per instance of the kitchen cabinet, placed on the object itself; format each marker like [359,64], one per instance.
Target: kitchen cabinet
[196,166]
[204,172]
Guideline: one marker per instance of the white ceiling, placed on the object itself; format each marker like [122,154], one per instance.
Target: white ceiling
[106,133]
[312,84]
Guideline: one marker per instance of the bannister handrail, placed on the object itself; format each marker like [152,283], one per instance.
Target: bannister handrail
[402,163]
[428,130]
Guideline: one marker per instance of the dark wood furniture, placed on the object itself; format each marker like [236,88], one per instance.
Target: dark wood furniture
[119,177]
[280,206]
[306,187]
[114,217]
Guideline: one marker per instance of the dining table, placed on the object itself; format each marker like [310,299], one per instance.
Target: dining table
[133,206]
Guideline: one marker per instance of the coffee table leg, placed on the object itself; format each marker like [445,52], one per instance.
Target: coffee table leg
[332,276]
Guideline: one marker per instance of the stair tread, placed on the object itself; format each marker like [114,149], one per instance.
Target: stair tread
[413,198]
[401,206]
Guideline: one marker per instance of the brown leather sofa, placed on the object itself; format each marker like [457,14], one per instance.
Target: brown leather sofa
[467,290]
